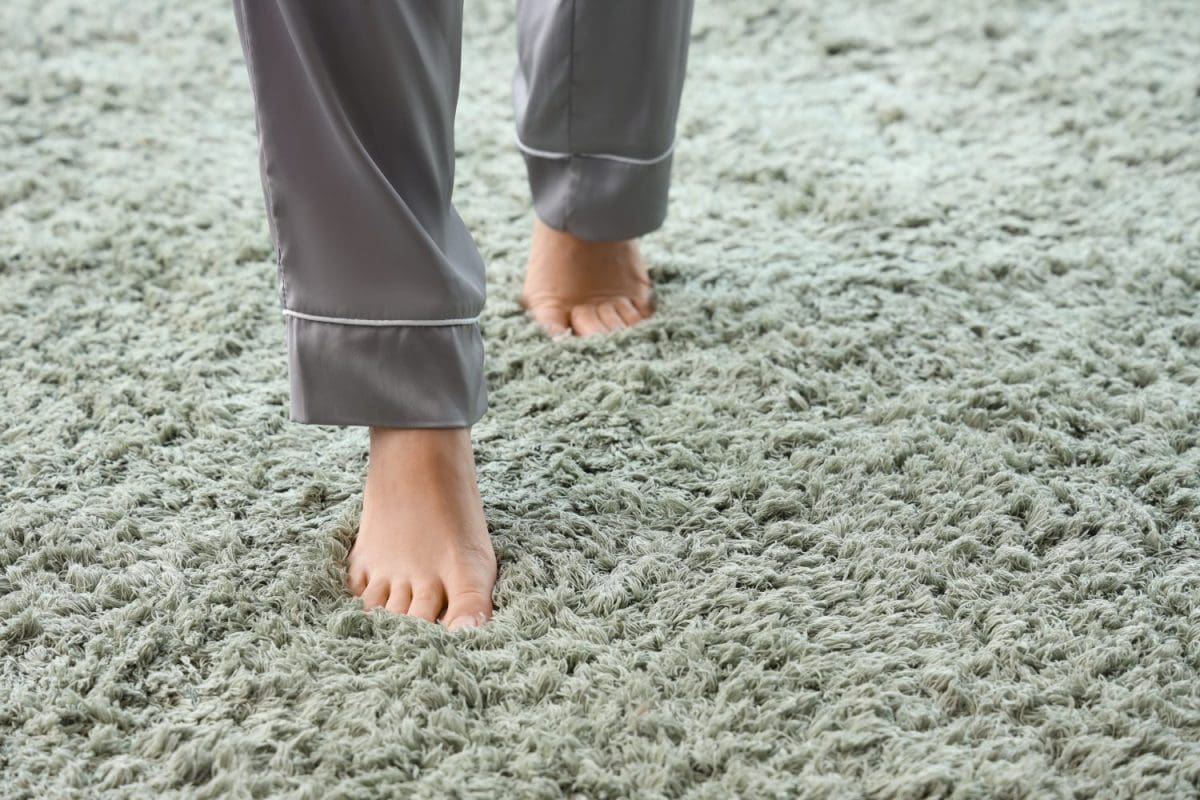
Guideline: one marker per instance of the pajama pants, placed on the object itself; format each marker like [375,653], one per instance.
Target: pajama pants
[380,282]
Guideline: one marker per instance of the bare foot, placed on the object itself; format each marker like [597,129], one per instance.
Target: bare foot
[422,546]
[575,285]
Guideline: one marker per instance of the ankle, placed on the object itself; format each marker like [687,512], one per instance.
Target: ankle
[416,437]
[441,449]
[564,239]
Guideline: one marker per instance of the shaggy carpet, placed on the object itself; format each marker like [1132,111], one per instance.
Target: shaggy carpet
[897,496]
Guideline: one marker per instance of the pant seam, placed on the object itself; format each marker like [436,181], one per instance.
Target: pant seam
[572,175]
[557,156]
[382,323]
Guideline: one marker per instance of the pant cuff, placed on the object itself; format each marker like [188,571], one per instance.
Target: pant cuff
[398,376]
[598,198]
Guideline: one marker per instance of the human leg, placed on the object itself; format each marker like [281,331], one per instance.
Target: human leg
[596,95]
[379,280]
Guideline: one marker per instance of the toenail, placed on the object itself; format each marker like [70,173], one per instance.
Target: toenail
[466,621]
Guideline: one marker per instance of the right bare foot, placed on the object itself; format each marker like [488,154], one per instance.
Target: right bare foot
[422,546]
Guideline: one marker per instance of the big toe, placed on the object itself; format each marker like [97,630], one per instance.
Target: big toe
[469,607]
[553,318]
[585,320]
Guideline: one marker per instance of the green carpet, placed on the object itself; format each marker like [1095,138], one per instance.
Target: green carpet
[897,496]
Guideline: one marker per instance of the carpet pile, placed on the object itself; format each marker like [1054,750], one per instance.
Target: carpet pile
[897,496]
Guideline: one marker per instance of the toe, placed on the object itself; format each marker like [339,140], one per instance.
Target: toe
[356,580]
[627,311]
[646,302]
[609,317]
[468,608]
[552,317]
[400,597]
[376,594]
[585,321]
[428,600]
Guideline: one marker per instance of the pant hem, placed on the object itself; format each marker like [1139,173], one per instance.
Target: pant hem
[387,376]
[599,199]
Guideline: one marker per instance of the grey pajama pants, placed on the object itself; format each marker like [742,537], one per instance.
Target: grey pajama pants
[380,282]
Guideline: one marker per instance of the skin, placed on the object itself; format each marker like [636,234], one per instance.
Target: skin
[423,547]
[583,287]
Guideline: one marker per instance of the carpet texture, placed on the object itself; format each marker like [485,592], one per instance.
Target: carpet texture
[897,496]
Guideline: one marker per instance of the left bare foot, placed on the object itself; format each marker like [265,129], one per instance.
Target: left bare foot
[573,285]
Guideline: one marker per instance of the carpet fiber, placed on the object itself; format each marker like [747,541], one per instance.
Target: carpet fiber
[897,496]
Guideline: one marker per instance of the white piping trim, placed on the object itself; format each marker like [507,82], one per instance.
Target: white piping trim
[533,151]
[382,323]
